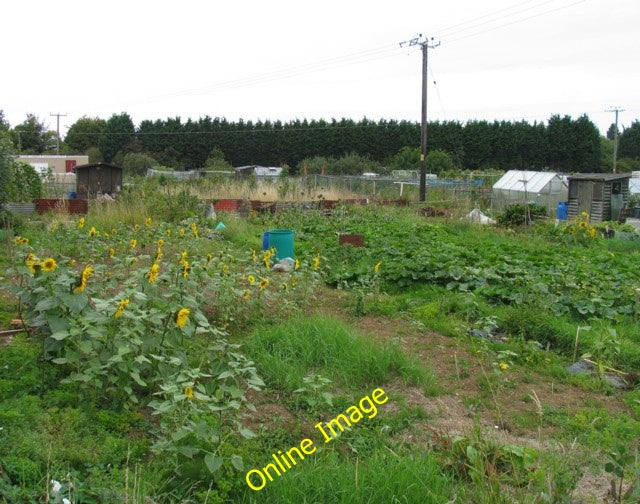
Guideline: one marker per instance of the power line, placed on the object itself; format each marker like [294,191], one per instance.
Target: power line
[505,16]
[516,21]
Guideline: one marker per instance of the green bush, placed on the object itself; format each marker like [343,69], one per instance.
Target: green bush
[25,184]
[137,164]
[520,214]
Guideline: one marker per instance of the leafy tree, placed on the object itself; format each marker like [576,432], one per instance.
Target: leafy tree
[84,133]
[407,158]
[626,165]
[95,156]
[439,161]
[573,146]
[30,135]
[6,159]
[629,141]
[606,155]
[611,132]
[137,163]
[25,182]
[118,132]
[216,160]
[4,124]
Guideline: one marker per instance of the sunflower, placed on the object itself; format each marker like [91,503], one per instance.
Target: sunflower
[376,268]
[316,262]
[188,391]
[123,304]
[49,265]
[93,232]
[181,232]
[247,294]
[251,279]
[183,257]
[254,256]
[133,243]
[153,272]
[112,252]
[185,269]
[86,273]
[504,366]
[264,283]
[168,232]
[294,281]
[81,223]
[209,257]
[32,261]
[147,221]
[225,268]
[582,225]
[194,229]
[296,264]
[182,317]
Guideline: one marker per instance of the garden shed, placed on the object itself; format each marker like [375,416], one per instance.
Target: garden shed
[546,189]
[602,195]
[97,178]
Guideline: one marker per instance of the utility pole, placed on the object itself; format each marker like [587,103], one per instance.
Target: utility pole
[424,43]
[615,137]
[58,116]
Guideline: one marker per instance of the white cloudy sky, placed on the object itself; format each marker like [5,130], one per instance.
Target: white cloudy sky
[282,59]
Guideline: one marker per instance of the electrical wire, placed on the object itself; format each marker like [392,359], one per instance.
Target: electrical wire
[516,21]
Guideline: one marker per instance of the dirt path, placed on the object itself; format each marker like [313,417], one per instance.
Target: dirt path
[508,414]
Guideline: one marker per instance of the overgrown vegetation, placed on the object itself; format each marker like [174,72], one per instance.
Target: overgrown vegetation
[163,360]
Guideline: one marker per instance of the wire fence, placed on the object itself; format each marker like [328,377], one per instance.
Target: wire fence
[437,190]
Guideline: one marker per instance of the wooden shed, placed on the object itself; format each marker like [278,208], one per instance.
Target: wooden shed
[603,196]
[97,178]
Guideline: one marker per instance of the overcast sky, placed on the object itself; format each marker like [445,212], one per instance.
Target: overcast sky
[258,60]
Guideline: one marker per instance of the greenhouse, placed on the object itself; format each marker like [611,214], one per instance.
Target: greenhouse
[520,186]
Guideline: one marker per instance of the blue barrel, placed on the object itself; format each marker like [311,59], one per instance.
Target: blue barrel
[562,211]
[265,240]
[282,241]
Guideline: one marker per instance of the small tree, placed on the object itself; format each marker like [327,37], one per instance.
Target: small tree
[216,160]
[407,158]
[439,161]
[137,164]
[6,159]
[25,183]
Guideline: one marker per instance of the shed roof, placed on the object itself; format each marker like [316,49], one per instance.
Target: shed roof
[515,180]
[600,177]
[96,165]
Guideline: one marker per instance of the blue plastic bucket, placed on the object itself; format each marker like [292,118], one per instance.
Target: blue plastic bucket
[562,210]
[282,241]
[71,195]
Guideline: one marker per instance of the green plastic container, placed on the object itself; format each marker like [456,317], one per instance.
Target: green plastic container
[282,241]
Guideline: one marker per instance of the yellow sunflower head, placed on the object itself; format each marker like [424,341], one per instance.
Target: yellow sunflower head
[182,317]
[49,265]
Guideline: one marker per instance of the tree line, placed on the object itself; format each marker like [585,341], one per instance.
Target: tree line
[562,144]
